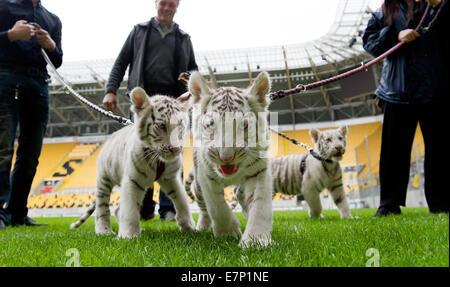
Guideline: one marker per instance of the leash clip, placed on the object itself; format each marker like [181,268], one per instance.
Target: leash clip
[301,87]
[424,30]
[363,66]
[36,25]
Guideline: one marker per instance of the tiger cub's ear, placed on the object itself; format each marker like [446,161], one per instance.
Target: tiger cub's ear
[260,88]
[185,100]
[200,90]
[198,87]
[315,134]
[344,130]
[139,99]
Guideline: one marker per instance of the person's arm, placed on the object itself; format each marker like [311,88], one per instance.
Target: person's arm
[20,31]
[120,65]
[51,43]
[3,38]
[192,63]
[117,72]
[377,37]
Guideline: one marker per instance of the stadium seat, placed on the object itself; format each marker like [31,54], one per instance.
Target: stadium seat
[83,178]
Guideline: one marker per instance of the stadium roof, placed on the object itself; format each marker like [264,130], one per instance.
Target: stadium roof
[288,65]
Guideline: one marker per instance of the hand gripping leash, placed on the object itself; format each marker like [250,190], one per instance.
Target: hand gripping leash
[300,88]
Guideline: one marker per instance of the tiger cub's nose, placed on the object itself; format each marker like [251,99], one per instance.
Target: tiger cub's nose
[227,159]
[175,149]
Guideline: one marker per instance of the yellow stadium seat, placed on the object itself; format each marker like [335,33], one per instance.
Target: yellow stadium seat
[84,176]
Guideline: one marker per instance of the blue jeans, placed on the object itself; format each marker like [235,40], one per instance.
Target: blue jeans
[24,103]
[165,204]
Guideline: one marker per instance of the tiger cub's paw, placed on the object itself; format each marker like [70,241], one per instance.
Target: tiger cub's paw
[130,233]
[186,224]
[204,222]
[259,241]
[232,229]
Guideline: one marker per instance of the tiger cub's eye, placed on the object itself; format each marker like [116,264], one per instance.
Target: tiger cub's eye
[162,126]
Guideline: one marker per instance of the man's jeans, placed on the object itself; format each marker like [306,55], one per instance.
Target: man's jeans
[24,103]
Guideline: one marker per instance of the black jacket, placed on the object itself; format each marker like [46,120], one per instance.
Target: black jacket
[418,73]
[28,53]
[133,53]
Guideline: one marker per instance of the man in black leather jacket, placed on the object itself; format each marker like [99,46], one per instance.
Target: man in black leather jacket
[141,52]
[158,54]
[24,98]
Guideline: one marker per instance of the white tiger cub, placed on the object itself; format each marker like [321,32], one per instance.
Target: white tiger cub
[309,174]
[136,156]
[219,164]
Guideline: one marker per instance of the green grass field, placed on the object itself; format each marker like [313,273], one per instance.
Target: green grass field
[415,238]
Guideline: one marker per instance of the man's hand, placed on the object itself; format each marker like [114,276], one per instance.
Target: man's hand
[44,40]
[21,31]
[184,78]
[110,102]
[408,35]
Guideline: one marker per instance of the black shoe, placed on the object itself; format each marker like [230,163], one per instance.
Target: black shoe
[2,224]
[26,221]
[147,211]
[147,216]
[383,211]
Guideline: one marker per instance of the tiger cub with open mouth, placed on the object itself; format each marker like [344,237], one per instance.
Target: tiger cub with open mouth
[231,125]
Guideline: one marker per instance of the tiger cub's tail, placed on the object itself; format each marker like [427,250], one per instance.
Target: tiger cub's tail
[83,218]
[188,183]
[234,200]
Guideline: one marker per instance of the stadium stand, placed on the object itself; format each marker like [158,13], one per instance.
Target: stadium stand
[85,176]
[80,180]
[51,177]
[51,157]
[57,164]
[360,166]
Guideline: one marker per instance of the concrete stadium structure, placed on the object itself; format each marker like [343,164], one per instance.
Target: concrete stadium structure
[289,65]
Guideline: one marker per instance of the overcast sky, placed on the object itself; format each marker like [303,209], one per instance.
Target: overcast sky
[97,29]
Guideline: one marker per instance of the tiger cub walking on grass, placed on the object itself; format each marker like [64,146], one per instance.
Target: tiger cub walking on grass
[136,156]
[220,160]
[309,174]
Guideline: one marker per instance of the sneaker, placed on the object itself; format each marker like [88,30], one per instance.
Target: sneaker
[168,216]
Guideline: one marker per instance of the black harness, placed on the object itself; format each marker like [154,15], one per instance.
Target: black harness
[316,156]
